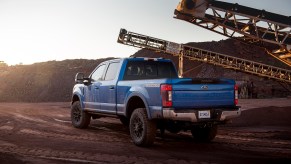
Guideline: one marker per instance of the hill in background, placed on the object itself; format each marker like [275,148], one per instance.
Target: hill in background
[53,81]
[50,81]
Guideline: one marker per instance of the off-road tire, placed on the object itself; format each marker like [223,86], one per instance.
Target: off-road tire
[142,130]
[80,119]
[204,134]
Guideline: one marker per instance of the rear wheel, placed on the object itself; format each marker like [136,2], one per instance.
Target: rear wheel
[204,134]
[142,130]
[80,119]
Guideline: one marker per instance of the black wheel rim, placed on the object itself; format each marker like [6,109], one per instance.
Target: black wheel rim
[137,128]
[76,114]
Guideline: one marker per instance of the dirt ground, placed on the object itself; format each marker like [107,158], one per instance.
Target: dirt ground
[42,133]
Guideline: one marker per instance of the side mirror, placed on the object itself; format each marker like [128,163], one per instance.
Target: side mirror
[79,78]
[87,81]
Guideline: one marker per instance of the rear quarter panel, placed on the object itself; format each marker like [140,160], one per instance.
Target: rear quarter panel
[147,90]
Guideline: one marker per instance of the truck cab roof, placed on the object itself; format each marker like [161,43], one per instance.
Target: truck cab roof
[147,59]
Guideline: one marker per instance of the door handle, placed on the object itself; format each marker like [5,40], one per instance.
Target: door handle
[111,87]
[96,87]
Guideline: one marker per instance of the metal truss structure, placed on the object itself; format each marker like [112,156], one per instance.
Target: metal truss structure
[197,54]
[245,24]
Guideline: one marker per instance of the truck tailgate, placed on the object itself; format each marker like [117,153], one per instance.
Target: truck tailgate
[207,95]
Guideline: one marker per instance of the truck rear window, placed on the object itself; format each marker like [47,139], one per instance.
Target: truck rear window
[136,70]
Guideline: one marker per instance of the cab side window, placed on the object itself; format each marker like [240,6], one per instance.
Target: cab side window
[111,71]
[97,74]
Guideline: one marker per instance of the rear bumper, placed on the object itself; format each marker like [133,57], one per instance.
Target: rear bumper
[217,115]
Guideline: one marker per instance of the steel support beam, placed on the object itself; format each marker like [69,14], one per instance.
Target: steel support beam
[246,24]
[197,54]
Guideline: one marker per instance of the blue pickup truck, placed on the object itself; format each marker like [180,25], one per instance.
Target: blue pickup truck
[146,94]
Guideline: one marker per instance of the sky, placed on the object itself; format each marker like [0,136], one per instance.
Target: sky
[43,30]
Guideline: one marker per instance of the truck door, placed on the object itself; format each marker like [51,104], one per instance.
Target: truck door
[92,90]
[108,89]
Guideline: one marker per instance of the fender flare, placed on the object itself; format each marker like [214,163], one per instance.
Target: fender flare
[142,97]
[80,99]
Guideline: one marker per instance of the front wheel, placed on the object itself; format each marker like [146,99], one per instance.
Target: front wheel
[142,130]
[204,134]
[80,119]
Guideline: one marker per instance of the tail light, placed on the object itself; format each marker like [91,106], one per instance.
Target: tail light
[235,94]
[166,93]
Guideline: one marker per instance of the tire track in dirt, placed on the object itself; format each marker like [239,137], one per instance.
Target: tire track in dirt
[83,157]
[17,127]
[44,132]
[263,142]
